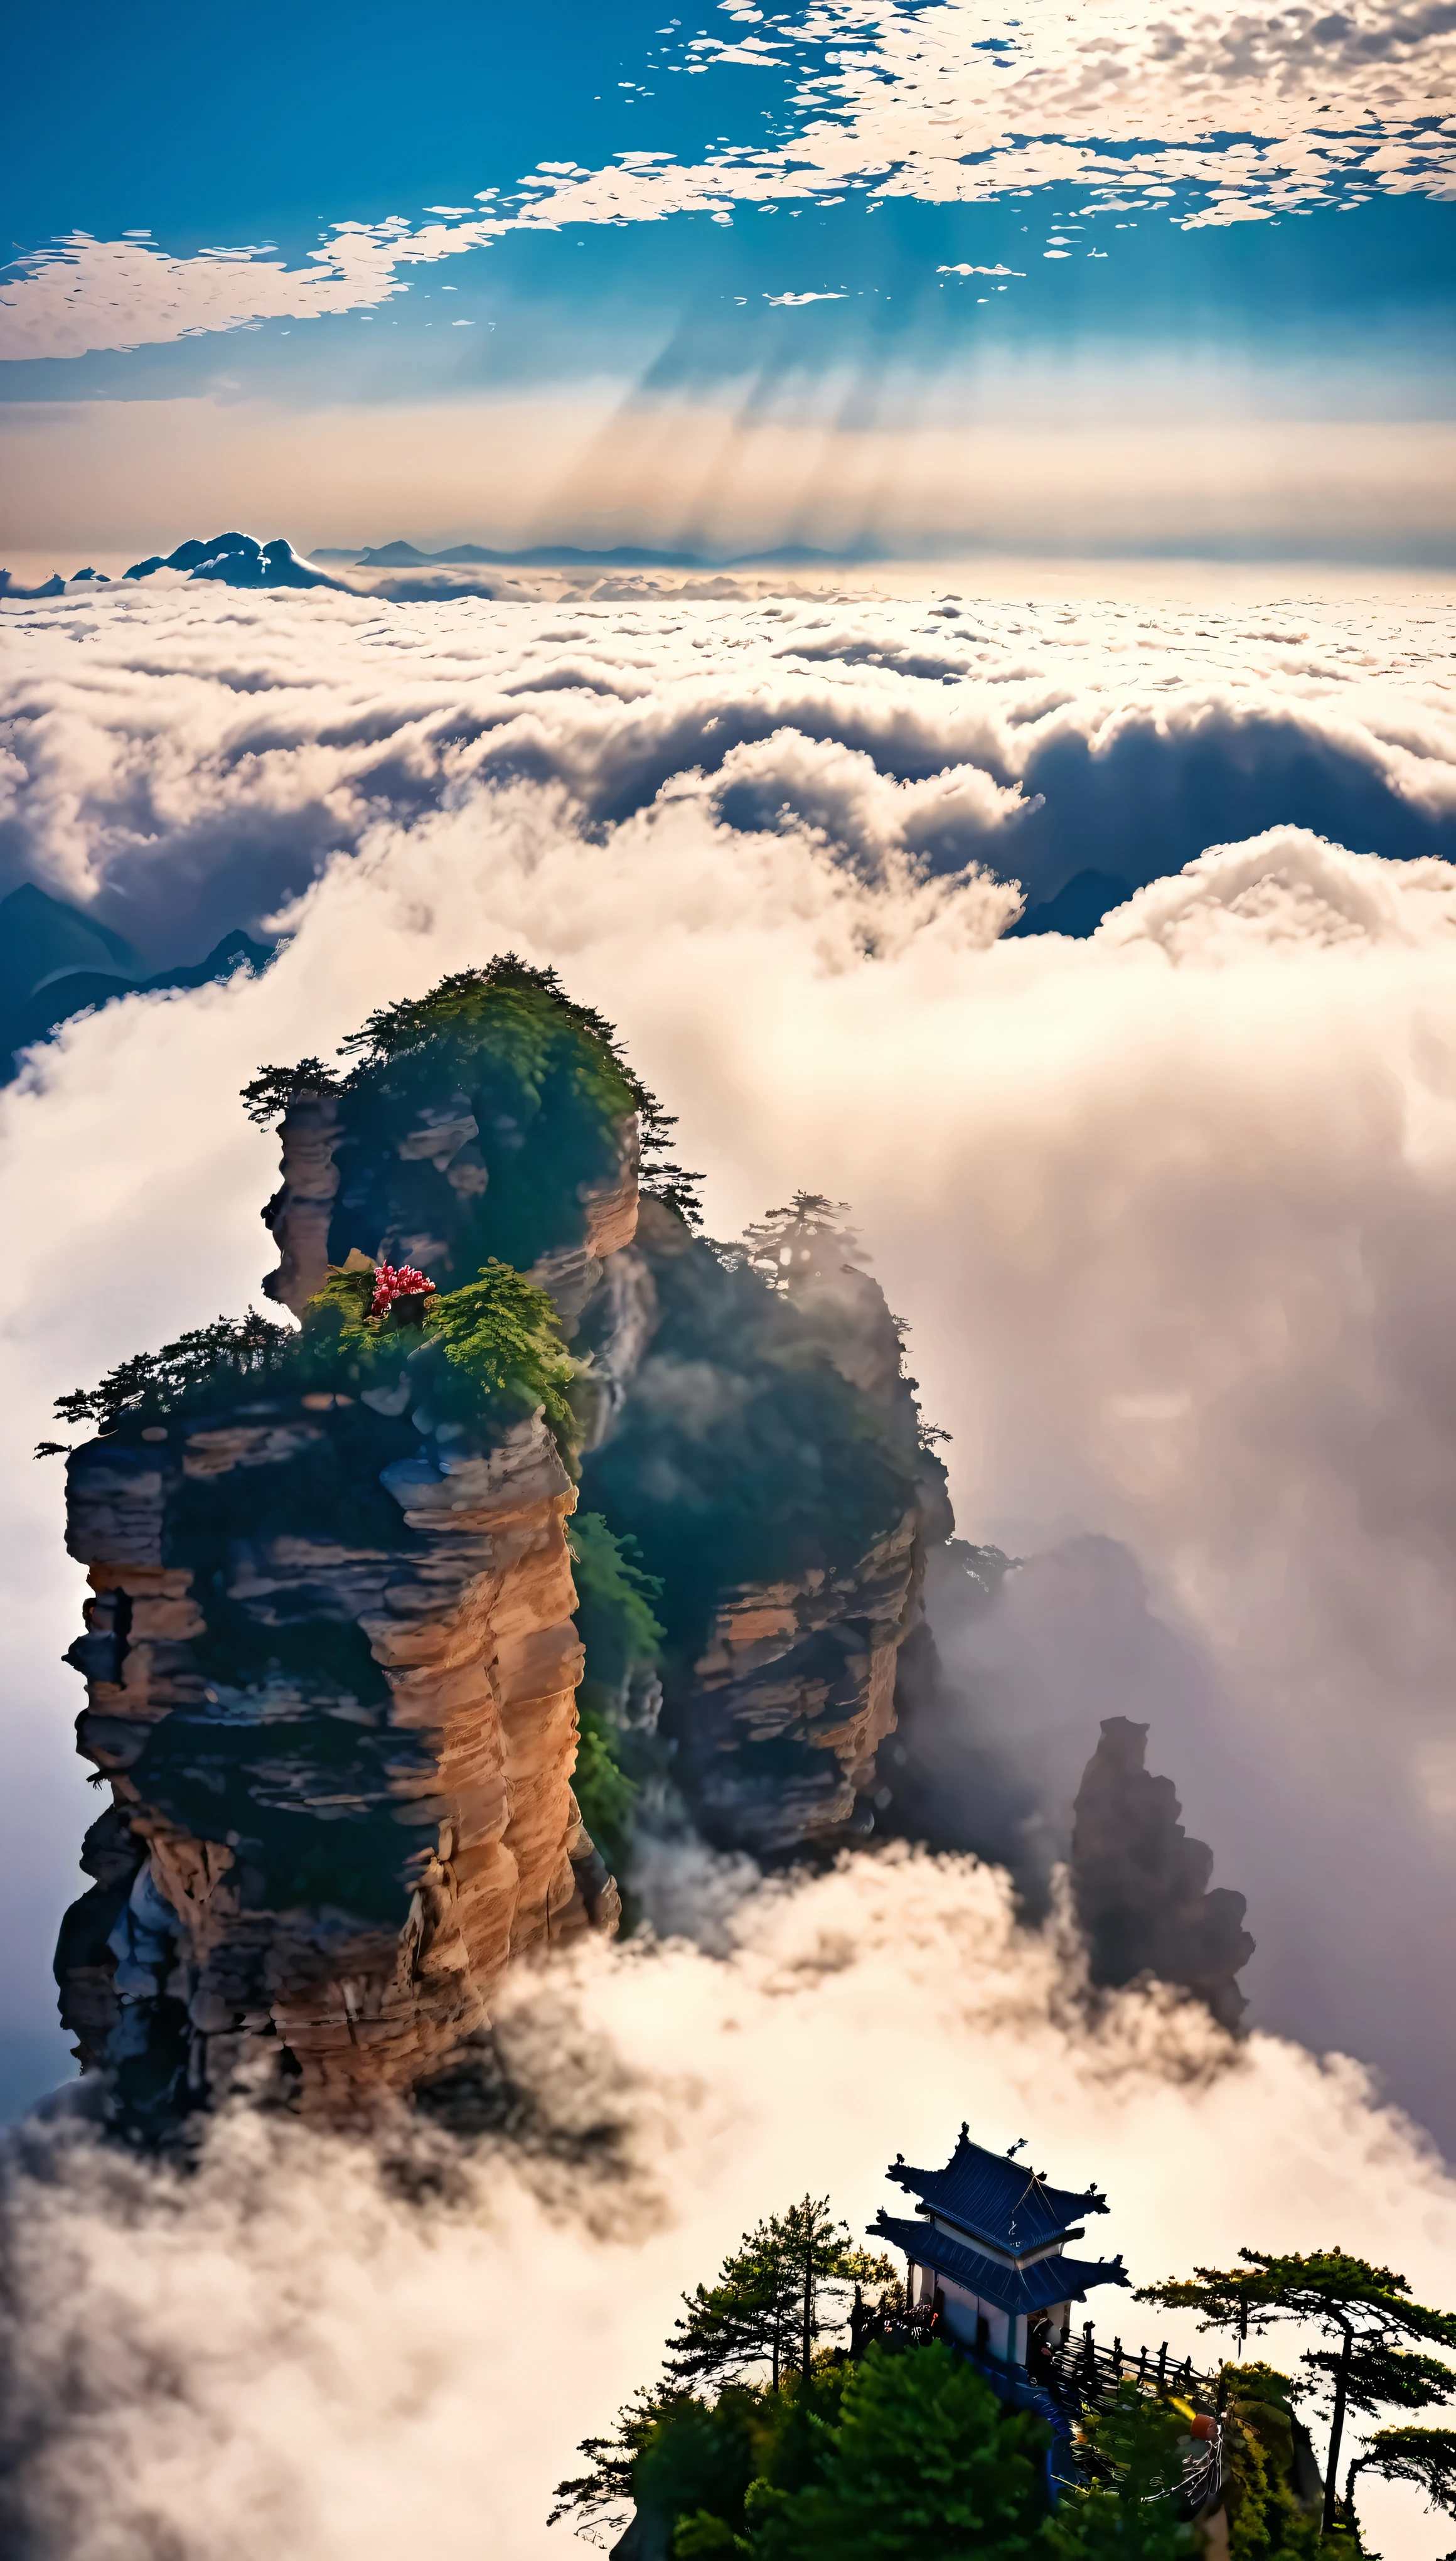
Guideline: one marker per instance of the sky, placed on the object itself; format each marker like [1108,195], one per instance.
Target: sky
[1095,369]
[901,279]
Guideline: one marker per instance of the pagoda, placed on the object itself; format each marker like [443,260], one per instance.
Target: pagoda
[985,2249]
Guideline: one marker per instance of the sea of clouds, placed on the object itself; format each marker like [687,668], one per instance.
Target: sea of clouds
[1172,1212]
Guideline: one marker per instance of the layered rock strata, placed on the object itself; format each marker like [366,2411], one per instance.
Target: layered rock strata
[792,1697]
[331,1657]
[315,1872]
[723,1401]
[416,1192]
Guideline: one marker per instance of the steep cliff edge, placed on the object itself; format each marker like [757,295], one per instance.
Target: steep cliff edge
[1141,1886]
[340,1766]
[332,1656]
[764,1455]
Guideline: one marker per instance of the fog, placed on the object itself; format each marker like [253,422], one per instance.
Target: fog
[322,2349]
[1172,1214]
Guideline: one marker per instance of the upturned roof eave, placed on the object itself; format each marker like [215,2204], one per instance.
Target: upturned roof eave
[1010,2290]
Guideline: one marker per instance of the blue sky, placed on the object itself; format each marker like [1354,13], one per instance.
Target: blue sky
[838,216]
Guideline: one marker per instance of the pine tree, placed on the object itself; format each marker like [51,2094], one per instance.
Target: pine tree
[804,1239]
[1134,2448]
[1424,2457]
[774,2297]
[924,2461]
[1365,2309]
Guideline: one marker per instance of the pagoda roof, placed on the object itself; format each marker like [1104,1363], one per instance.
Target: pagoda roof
[997,2200]
[1010,2290]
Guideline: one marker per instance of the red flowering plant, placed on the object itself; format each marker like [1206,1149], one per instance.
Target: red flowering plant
[481,1354]
[394,1282]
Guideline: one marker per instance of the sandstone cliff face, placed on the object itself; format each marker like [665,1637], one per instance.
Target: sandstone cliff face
[410,1180]
[739,1425]
[258,1805]
[793,1696]
[331,1658]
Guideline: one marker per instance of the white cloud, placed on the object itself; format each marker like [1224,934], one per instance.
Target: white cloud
[1253,117]
[303,2348]
[1173,1211]
[203,754]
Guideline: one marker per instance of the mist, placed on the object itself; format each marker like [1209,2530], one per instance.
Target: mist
[1171,1215]
[320,2347]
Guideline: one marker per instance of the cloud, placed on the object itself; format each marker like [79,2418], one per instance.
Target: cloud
[201,758]
[320,2348]
[1172,1211]
[1252,118]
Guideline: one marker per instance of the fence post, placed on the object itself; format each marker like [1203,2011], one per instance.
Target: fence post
[1116,2360]
[1163,2367]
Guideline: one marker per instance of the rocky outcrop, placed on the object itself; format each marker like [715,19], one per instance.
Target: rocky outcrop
[331,1653]
[793,1696]
[745,1423]
[311,1875]
[1140,1884]
[418,1195]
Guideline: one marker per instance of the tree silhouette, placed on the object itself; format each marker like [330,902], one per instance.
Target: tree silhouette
[770,2302]
[1424,2457]
[1365,2309]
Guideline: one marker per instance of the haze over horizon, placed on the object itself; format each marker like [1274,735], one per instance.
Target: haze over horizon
[952,659]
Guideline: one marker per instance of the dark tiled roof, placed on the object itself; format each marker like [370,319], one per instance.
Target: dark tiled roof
[997,2199]
[1010,2290]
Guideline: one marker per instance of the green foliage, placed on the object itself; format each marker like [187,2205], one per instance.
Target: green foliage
[502,1343]
[483,1354]
[744,1454]
[924,2459]
[1264,2512]
[673,1185]
[222,1358]
[1327,2286]
[508,1012]
[615,1617]
[700,2457]
[705,2533]
[1134,2448]
[275,1089]
[684,2459]
[1381,2377]
[620,1636]
[804,1239]
[605,1795]
[602,2495]
[1364,2307]
[1424,2456]
[775,2295]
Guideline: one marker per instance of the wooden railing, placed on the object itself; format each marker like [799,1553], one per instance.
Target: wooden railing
[1089,2372]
